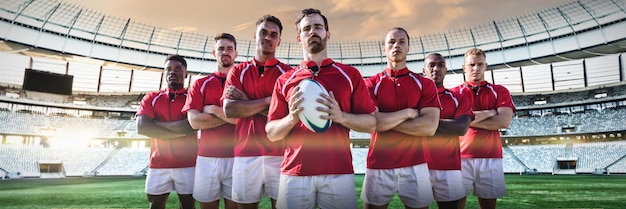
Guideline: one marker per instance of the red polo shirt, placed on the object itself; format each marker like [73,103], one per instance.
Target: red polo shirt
[445,151]
[482,143]
[169,153]
[394,90]
[218,141]
[308,153]
[250,136]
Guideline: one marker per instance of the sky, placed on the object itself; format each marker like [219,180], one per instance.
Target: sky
[349,20]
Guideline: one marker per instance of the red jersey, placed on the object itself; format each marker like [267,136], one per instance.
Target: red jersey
[257,81]
[477,142]
[308,153]
[218,141]
[169,153]
[445,151]
[394,90]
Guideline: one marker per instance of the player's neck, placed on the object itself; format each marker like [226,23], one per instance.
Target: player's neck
[262,58]
[317,58]
[223,70]
[175,86]
[396,65]
[477,81]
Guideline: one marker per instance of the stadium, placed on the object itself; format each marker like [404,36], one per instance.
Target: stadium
[72,79]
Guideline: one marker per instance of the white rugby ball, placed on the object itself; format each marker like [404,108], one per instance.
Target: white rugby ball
[310,116]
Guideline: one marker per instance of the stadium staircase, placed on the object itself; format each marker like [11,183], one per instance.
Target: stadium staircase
[143,171]
[526,169]
[606,169]
[9,175]
[569,150]
[94,172]
[3,173]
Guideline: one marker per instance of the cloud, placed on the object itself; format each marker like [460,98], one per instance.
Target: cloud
[242,27]
[185,29]
[371,19]
[348,19]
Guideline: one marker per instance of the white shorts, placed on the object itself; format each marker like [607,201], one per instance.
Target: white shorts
[411,183]
[165,180]
[447,185]
[254,176]
[323,191]
[485,176]
[213,179]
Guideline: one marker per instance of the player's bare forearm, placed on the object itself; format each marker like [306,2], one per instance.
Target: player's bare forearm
[365,122]
[501,120]
[424,125]
[201,120]
[226,119]
[453,127]
[279,129]
[388,120]
[146,127]
[218,111]
[480,115]
[359,122]
[245,108]
[179,126]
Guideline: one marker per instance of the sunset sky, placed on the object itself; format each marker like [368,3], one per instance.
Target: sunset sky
[349,20]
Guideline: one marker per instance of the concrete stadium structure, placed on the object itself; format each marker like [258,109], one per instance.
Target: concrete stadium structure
[520,50]
[564,55]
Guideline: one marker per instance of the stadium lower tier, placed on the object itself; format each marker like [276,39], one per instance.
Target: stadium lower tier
[35,161]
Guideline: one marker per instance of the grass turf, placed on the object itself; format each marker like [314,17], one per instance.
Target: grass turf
[528,191]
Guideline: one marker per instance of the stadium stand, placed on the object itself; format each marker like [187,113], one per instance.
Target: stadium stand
[359,159]
[77,162]
[598,154]
[540,157]
[589,121]
[126,162]
[21,158]
[618,167]
[568,58]
[510,165]
[32,123]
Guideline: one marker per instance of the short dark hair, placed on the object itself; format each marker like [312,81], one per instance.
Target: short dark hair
[435,54]
[475,52]
[310,11]
[227,36]
[272,19]
[177,58]
[408,39]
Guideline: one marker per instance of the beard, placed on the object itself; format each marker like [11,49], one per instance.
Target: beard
[225,62]
[314,46]
[226,65]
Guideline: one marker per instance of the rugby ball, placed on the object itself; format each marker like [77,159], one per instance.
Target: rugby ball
[310,116]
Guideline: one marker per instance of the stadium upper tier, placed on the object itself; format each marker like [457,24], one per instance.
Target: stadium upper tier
[572,30]
[542,51]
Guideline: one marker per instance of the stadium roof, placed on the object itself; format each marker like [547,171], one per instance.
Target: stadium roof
[574,30]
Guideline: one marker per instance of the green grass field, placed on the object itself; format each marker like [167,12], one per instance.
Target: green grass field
[528,191]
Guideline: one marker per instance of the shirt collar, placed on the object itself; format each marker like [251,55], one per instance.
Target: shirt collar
[473,84]
[441,89]
[312,66]
[268,63]
[396,73]
[219,74]
[178,92]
